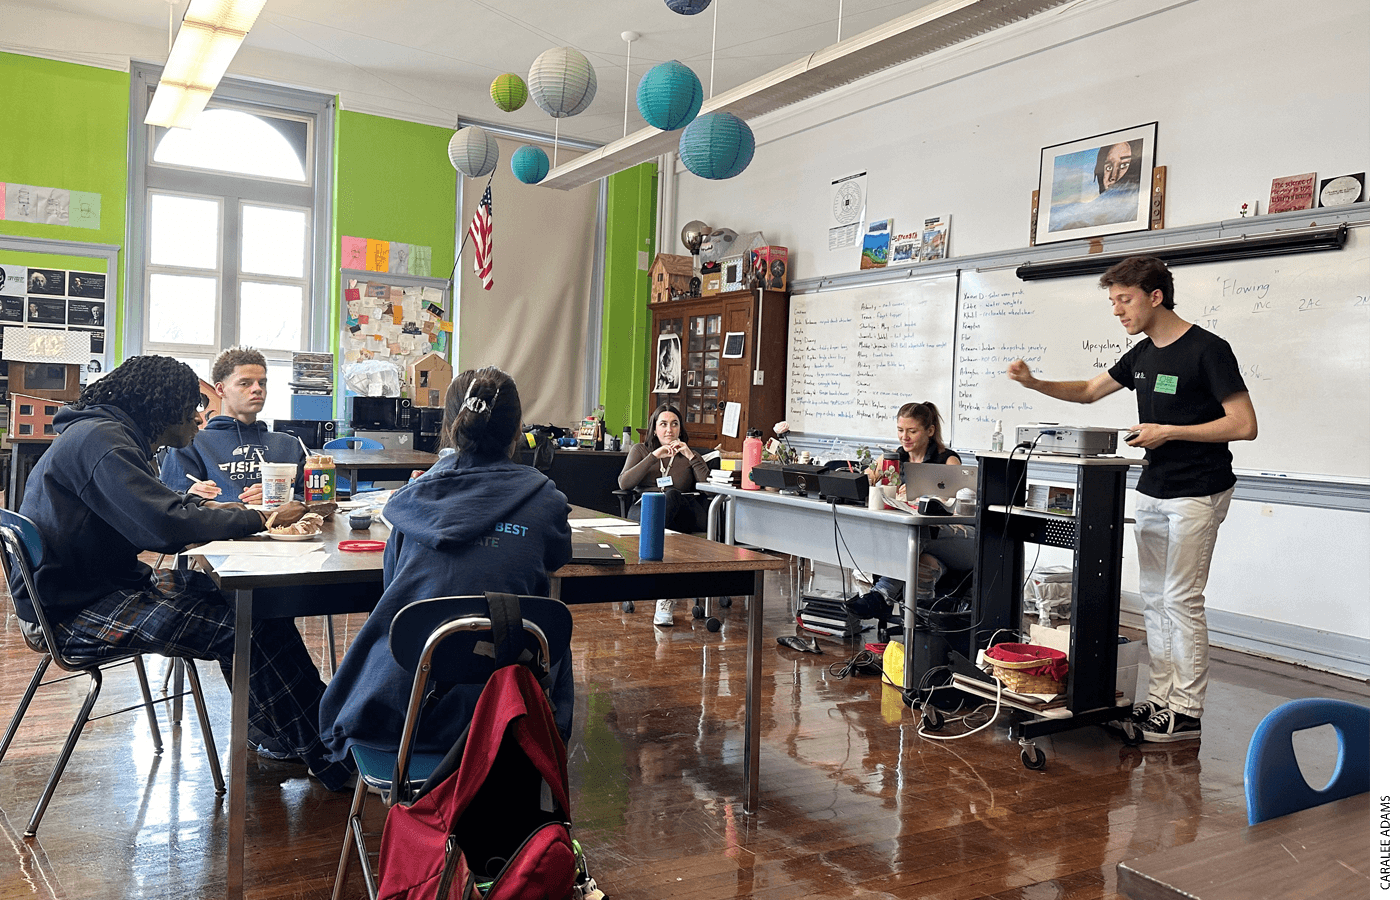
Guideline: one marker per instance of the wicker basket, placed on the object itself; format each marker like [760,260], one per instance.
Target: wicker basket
[1029,676]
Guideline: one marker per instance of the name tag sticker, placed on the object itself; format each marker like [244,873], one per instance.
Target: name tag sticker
[1166,384]
[664,481]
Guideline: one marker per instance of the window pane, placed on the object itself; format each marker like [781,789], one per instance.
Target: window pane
[200,364]
[270,316]
[274,241]
[184,231]
[229,140]
[279,391]
[180,309]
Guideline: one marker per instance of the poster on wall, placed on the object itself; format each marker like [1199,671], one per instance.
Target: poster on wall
[47,310]
[48,281]
[13,281]
[668,364]
[92,285]
[847,211]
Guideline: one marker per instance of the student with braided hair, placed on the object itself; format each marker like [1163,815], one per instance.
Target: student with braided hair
[98,504]
[475,522]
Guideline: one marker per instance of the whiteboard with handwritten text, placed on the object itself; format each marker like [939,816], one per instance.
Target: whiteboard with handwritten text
[857,355]
[1299,326]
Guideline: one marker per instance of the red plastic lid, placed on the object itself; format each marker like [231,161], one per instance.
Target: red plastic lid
[360,546]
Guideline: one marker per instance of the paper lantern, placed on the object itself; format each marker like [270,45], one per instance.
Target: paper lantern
[688,7]
[717,145]
[562,82]
[669,96]
[508,91]
[473,151]
[530,164]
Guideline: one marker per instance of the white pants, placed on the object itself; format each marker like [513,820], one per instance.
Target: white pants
[1175,541]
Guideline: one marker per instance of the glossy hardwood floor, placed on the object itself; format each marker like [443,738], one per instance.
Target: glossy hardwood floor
[853,802]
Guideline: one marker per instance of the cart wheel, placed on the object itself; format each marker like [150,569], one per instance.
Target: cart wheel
[1035,762]
[697,611]
[628,606]
[1132,736]
[726,602]
[932,719]
[712,624]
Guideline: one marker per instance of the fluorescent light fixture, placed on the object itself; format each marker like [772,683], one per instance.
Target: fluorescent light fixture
[210,34]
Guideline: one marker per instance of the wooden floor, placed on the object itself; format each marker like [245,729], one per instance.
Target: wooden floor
[853,803]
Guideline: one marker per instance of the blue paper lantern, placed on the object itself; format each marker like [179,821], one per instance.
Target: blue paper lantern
[688,7]
[717,145]
[529,164]
[669,96]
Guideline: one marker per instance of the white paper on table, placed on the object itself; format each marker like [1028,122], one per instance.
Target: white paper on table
[269,565]
[619,530]
[283,549]
[731,419]
[596,523]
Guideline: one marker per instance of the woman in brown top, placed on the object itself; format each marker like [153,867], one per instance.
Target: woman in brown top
[665,462]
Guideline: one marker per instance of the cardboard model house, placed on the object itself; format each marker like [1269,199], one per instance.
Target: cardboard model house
[46,362]
[31,418]
[431,373]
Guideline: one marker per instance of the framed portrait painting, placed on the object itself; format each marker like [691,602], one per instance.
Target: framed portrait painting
[1097,185]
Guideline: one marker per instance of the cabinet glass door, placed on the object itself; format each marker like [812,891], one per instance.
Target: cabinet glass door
[701,389]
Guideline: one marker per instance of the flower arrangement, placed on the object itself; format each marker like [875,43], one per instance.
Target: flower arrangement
[778,449]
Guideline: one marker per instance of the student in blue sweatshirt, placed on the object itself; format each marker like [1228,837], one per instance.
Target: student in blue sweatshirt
[96,501]
[475,522]
[227,456]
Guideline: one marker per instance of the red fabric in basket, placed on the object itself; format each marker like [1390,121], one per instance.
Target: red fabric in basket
[1056,663]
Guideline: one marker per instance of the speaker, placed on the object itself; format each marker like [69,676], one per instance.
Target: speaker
[768,475]
[429,432]
[313,433]
[408,414]
[853,487]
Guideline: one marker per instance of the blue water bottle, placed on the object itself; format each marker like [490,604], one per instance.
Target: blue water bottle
[652,542]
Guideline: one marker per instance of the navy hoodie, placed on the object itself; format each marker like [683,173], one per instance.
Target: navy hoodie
[230,453]
[468,526]
[98,504]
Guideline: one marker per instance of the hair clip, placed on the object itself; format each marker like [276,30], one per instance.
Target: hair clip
[476,405]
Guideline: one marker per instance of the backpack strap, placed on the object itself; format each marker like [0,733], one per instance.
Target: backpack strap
[508,634]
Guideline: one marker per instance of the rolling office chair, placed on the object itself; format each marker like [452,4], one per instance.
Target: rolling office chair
[440,641]
[24,552]
[342,484]
[1273,784]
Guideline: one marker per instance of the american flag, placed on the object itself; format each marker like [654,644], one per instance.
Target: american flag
[480,233]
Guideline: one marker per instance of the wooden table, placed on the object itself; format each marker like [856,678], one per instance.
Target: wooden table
[352,582]
[1318,852]
[350,462]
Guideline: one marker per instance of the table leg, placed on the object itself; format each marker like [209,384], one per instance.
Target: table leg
[238,739]
[911,599]
[753,690]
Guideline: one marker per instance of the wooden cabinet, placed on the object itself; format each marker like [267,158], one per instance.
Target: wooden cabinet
[707,378]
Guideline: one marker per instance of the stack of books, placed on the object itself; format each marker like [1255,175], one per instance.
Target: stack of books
[824,612]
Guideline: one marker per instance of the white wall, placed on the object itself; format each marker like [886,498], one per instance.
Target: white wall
[1243,90]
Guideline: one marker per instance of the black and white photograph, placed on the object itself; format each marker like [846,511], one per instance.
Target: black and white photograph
[87,312]
[92,285]
[12,281]
[668,364]
[48,281]
[47,310]
[11,309]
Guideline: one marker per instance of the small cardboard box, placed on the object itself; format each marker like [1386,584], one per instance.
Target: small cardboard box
[768,267]
[710,284]
[431,374]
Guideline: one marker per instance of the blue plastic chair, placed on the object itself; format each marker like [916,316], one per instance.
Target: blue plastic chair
[1273,784]
[342,484]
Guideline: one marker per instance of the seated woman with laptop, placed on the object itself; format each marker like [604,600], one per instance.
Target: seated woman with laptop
[920,430]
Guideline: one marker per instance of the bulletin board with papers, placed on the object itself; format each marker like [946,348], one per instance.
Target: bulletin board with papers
[392,317]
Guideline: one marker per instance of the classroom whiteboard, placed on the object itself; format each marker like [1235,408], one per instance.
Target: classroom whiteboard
[855,356]
[1299,326]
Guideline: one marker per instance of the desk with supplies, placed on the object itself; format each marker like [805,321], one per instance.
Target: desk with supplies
[884,542]
[1319,852]
[329,582]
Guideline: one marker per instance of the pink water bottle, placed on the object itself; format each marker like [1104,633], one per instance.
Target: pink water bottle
[753,455]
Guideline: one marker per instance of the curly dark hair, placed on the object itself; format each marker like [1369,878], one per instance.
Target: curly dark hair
[234,357]
[482,413]
[156,391]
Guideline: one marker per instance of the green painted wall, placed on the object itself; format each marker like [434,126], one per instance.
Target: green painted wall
[73,121]
[626,320]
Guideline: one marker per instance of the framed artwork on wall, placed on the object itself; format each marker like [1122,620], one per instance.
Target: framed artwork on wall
[1097,185]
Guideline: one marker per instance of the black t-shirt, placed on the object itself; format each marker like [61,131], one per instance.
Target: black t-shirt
[931,455]
[1183,383]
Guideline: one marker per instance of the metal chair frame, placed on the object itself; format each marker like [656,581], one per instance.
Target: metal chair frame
[23,551]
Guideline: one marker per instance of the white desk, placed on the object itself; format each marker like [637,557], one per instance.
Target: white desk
[884,542]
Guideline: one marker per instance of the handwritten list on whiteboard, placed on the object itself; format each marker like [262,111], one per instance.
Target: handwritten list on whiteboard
[857,355]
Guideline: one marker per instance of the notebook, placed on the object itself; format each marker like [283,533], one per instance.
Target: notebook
[932,479]
[589,553]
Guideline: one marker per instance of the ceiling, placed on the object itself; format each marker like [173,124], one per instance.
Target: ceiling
[432,60]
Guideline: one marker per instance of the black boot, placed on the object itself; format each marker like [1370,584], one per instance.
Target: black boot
[873,605]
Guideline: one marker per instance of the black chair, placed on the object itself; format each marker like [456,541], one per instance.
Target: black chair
[24,552]
[440,641]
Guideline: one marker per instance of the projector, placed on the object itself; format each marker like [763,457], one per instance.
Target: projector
[1071,440]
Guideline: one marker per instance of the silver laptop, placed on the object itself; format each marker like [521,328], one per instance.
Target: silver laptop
[932,479]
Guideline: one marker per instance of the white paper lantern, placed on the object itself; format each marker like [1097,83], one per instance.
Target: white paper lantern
[562,82]
[473,151]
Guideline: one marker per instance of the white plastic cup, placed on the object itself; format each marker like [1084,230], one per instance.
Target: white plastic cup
[278,481]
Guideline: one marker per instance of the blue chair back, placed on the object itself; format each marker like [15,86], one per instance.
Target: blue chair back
[456,660]
[352,443]
[28,534]
[1274,785]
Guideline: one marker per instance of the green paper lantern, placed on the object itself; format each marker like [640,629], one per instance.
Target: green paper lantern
[529,164]
[669,96]
[508,91]
[717,146]
[562,82]
[473,151]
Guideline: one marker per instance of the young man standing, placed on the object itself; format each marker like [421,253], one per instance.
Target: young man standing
[227,456]
[96,501]
[1191,402]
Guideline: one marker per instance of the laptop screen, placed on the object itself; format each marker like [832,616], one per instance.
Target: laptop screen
[932,479]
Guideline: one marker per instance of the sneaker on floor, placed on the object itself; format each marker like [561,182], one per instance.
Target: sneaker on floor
[870,605]
[663,615]
[1140,714]
[1166,725]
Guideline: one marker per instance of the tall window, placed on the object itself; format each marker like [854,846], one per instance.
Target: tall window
[228,238]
